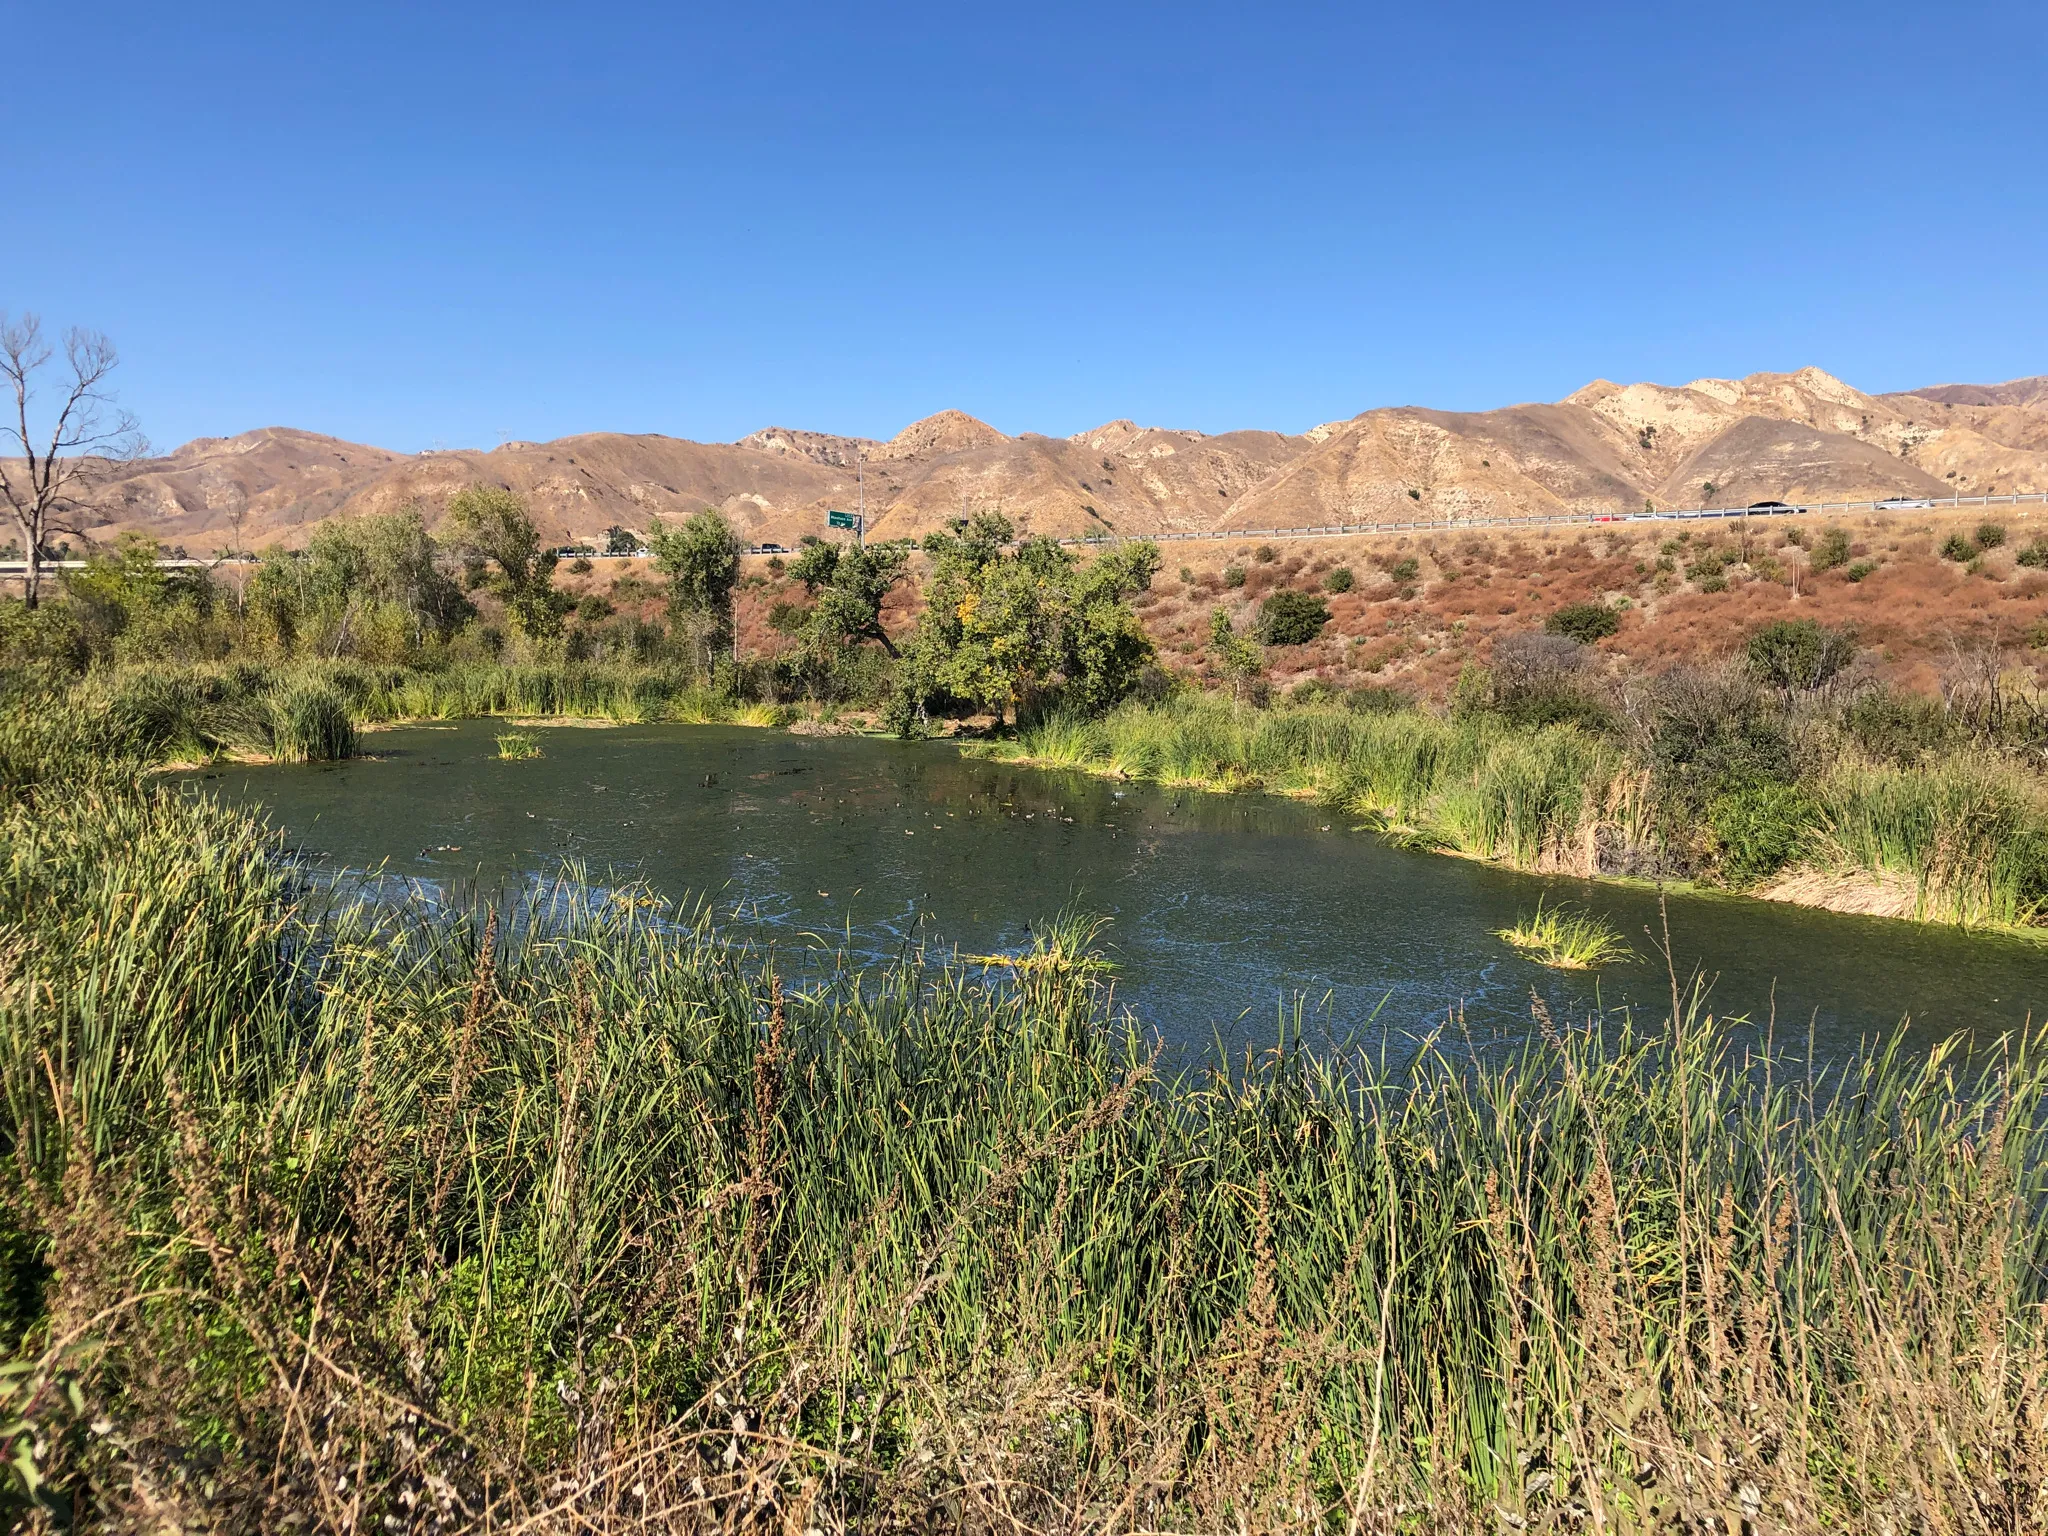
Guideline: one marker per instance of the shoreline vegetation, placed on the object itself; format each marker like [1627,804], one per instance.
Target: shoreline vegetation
[335,1209]
[1960,840]
[1784,771]
[341,1211]
[1955,844]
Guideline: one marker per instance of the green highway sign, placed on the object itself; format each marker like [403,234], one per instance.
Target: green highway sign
[842,520]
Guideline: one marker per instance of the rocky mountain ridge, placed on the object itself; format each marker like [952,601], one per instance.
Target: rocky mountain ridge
[1802,436]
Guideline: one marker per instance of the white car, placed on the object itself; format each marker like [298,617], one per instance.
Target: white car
[1903,503]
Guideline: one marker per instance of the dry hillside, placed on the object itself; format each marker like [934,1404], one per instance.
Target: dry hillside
[1796,437]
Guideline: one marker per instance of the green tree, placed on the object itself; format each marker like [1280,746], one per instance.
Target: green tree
[370,586]
[490,524]
[1238,657]
[1106,648]
[848,585]
[701,560]
[1029,628]
[1012,627]
[125,606]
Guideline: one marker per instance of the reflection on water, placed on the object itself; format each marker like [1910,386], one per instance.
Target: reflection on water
[1228,912]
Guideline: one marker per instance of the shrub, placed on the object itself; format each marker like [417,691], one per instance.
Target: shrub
[1155,684]
[1830,550]
[581,566]
[1292,618]
[1959,549]
[1709,729]
[1341,580]
[1313,691]
[1233,575]
[2034,555]
[1405,571]
[1858,569]
[1378,699]
[1759,826]
[1895,726]
[1990,535]
[1714,583]
[1798,655]
[1187,575]
[1265,554]
[1711,563]
[1583,622]
[1415,495]
[1539,680]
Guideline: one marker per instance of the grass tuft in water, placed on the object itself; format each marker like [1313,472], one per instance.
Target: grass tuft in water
[1566,939]
[517,746]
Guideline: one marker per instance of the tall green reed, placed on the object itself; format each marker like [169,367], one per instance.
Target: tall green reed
[585,1166]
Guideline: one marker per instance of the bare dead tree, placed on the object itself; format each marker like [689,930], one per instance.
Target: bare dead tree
[51,464]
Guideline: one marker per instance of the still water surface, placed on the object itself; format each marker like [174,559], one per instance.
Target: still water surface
[1227,911]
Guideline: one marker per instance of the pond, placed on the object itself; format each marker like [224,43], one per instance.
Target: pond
[1227,912]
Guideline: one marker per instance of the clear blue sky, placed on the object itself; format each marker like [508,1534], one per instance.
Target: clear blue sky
[421,223]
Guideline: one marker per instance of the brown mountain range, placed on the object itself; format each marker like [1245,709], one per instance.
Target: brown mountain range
[1802,436]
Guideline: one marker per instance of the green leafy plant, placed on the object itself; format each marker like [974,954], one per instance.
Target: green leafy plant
[1990,535]
[1405,570]
[1959,549]
[1709,564]
[1858,569]
[310,723]
[1233,576]
[1237,656]
[2034,555]
[1339,579]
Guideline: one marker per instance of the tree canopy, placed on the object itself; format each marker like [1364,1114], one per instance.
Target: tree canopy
[701,560]
[1028,628]
[488,524]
